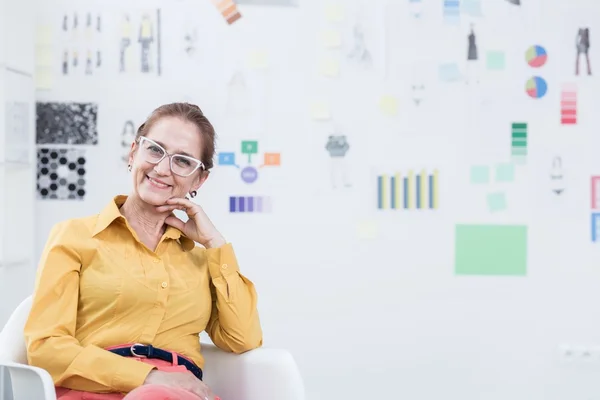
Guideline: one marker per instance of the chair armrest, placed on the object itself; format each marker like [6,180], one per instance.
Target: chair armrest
[260,374]
[28,382]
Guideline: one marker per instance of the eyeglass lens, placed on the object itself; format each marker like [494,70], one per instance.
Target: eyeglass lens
[180,164]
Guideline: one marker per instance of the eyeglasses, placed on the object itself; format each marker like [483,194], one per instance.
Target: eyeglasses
[180,165]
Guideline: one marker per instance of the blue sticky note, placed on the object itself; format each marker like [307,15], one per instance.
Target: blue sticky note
[505,172]
[449,72]
[496,201]
[480,174]
[226,159]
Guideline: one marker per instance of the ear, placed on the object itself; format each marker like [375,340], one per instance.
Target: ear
[200,179]
[131,153]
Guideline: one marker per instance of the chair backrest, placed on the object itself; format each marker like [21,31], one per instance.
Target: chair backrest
[12,340]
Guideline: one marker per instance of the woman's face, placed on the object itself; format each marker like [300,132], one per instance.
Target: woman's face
[156,183]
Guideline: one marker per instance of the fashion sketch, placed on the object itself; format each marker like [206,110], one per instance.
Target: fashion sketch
[515,2]
[146,38]
[583,47]
[359,52]
[127,138]
[472,56]
[337,146]
[125,42]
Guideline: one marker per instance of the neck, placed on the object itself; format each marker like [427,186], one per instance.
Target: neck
[143,217]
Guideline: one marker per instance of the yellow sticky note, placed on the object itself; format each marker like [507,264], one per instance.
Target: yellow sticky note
[44,34]
[367,230]
[330,67]
[258,60]
[44,79]
[44,56]
[320,111]
[331,39]
[334,12]
[388,105]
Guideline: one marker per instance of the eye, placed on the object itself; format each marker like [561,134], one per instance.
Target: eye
[155,149]
[181,161]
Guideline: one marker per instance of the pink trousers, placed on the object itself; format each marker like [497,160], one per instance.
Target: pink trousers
[145,392]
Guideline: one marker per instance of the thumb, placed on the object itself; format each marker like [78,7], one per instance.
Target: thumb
[175,222]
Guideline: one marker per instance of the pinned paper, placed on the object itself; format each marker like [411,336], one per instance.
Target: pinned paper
[496,201]
[320,111]
[388,105]
[228,10]
[44,79]
[334,12]
[367,230]
[330,67]
[258,60]
[495,60]
[331,39]
[480,174]
[505,172]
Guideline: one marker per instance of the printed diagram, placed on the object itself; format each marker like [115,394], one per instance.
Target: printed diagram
[81,44]
[127,138]
[147,36]
[582,43]
[595,215]
[250,204]
[61,173]
[337,146]
[66,123]
[557,176]
[249,173]
[413,191]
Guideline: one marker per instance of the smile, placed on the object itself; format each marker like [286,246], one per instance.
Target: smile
[158,184]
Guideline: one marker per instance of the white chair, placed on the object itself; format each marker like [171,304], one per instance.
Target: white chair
[261,374]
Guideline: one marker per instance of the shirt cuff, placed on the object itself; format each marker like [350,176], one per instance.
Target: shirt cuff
[131,375]
[222,261]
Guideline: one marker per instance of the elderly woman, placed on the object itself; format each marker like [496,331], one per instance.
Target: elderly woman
[122,296]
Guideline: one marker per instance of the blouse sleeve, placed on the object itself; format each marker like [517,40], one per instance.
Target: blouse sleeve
[234,324]
[50,328]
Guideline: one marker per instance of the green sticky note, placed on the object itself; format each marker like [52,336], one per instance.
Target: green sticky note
[480,174]
[495,60]
[496,201]
[490,250]
[505,172]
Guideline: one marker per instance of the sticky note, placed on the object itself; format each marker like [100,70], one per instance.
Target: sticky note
[505,172]
[330,67]
[331,39]
[273,159]
[44,35]
[495,60]
[258,60]
[496,201]
[367,229]
[449,72]
[472,8]
[334,12]
[388,105]
[44,56]
[320,111]
[480,174]
[490,250]
[44,79]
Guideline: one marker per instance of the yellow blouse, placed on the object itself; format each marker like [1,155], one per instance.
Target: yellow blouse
[98,286]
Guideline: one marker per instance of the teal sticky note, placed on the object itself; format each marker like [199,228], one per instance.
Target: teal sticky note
[505,172]
[490,250]
[496,201]
[495,60]
[480,174]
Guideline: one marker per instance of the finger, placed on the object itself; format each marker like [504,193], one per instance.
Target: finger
[181,202]
[175,222]
[167,208]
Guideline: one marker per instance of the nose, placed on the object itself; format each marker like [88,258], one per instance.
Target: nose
[163,167]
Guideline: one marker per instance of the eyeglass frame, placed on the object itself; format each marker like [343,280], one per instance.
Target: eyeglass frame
[200,164]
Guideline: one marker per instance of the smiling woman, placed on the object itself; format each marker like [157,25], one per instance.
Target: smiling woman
[166,291]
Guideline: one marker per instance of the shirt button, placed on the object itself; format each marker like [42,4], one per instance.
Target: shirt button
[224,266]
[156,260]
[164,285]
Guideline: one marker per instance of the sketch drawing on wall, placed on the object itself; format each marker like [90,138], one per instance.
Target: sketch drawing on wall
[66,123]
[583,48]
[61,173]
[88,47]
[557,176]
[337,146]
[148,37]
[191,40]
[515,2]
[418,92]
[127,138]
[416,8]
[472,58]
[359,52]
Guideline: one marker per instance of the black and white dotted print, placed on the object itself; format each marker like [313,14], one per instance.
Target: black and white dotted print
[66,123]
[61,174]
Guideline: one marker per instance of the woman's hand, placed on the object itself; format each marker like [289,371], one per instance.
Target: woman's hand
[198,227]
[182,380]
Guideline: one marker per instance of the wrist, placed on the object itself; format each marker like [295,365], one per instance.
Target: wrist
[215,242]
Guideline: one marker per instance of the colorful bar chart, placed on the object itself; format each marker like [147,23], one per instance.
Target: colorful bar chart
[519,141]
[413,191]
[595,223]
[250,204]
[451,11]
[568,104]
[595,192]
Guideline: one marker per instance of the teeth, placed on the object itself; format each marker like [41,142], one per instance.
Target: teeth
[158,183]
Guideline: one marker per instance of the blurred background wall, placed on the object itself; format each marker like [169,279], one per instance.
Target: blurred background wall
[413,186]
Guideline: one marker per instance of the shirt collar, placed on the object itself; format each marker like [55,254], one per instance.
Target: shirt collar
[111,212]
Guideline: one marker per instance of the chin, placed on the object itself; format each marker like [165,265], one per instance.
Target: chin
[152,195]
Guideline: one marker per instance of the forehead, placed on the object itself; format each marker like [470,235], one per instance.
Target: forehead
[177,136]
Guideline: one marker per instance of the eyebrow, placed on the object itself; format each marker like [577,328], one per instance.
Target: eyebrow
[176,151]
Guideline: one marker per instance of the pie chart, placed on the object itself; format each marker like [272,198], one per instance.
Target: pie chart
[536,56]
[536,87]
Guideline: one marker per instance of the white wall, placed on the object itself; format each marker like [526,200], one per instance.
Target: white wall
[367,300]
